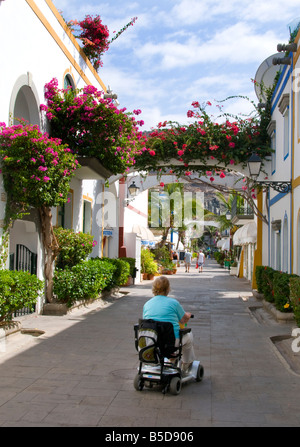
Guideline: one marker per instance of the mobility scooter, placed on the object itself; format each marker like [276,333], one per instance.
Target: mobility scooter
[160,361]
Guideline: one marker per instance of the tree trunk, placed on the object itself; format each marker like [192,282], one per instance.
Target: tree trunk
[51,249]
[164,237]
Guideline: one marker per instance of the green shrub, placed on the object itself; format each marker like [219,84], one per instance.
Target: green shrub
[74,247]
[295,297]
[281,285]
[131,262]
[267,284]
[219,257]
[83,281]
[17,290]
[122,272]
[258,276]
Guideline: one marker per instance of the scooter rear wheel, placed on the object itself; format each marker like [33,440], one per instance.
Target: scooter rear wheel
[175,385]
[138,383]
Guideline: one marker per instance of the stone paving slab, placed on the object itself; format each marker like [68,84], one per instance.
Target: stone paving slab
[80,371]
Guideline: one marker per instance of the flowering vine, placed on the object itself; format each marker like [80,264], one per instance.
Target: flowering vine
[204,144]
[36,171]
[93,126]
[95,37]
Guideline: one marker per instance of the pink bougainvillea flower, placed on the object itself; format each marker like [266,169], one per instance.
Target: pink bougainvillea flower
[152,153]
[162,184]
[180,152]
[46,179]
[222,175]
[211,179]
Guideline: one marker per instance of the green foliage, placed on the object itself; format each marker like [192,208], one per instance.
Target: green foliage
[258,276]
[131,262]
[295,297]
[73,247]
[86,280]
[281,285]
[267,284]
[83,281]
[121,273]
[275,286]
[147,262]
[219,257]
[17,290]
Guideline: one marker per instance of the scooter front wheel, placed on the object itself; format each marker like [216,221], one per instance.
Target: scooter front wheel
[200,373]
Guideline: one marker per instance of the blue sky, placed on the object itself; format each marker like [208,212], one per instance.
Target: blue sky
[180,51]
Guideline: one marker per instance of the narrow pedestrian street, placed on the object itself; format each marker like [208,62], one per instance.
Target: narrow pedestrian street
[80,371]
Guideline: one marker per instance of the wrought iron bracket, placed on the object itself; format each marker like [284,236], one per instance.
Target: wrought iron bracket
[283,187]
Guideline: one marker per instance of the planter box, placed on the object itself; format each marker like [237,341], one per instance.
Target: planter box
[233,271]
[279,316]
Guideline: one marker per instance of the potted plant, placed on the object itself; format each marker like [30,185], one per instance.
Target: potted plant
[149,266]
[167,266]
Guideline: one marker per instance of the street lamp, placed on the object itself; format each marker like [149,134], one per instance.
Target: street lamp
[133,191]
[254,166]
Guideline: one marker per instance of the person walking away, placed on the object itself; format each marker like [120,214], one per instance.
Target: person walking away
[201,261]
[164,308]
[175,258]
[187,260]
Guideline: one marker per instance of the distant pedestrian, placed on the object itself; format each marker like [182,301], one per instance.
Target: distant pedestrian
[187,260]
[200,260]
[175,258]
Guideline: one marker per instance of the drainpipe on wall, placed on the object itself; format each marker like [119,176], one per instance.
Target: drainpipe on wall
[122,190]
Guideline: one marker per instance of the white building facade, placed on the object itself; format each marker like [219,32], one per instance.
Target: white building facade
[37,46]
[281,237]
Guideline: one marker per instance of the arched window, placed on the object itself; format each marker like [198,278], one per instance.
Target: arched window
[24,101]
[26,107]
[69,82]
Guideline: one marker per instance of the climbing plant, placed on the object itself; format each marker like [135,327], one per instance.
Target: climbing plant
[201,145]
[36,171]
[94,36]
[93,126]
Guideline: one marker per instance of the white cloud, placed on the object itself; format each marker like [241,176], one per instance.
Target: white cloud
[237,44]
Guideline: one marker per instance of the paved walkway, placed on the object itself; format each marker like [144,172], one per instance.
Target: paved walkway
[80,371]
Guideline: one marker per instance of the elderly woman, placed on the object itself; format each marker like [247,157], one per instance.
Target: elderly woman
[164,308]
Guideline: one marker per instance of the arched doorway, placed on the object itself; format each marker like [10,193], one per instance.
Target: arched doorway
[25,233]
[24,101]
[26,106]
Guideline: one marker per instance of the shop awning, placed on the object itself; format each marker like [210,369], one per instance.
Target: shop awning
[143,232]
[224,243]
[247,234]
